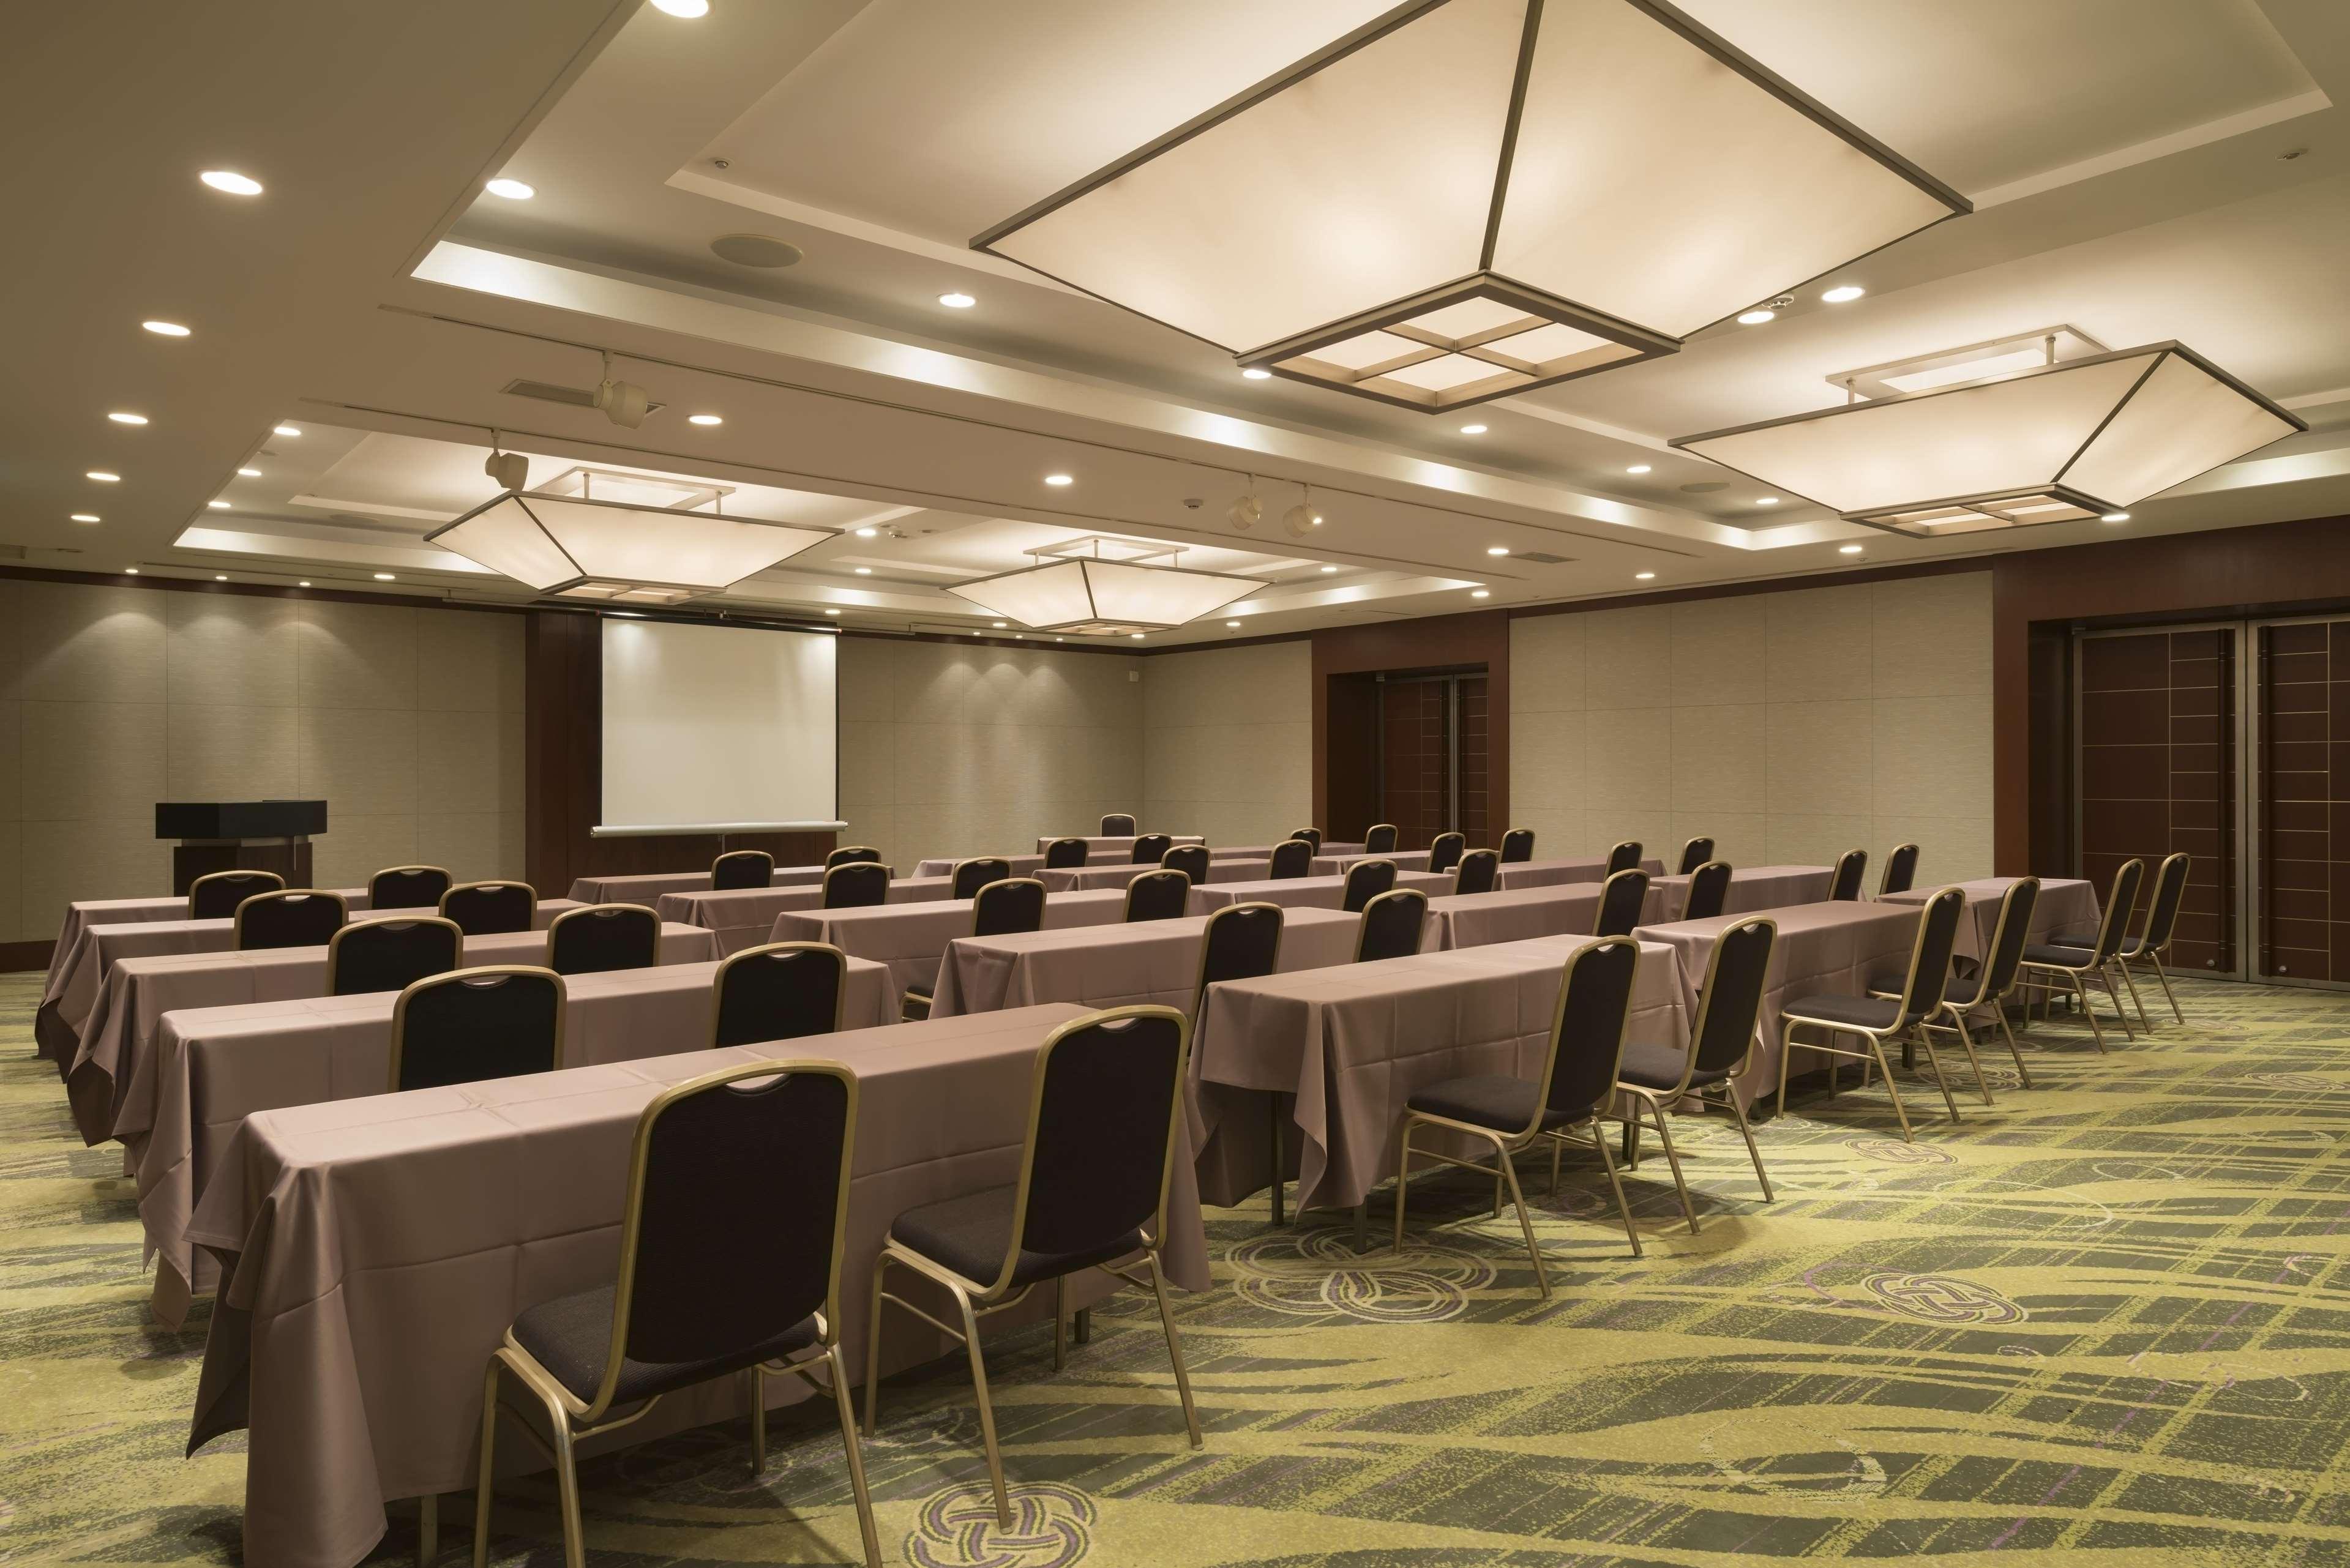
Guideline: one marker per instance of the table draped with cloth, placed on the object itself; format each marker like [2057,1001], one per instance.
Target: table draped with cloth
[1115,966]
[1094,878]
[1579,868]
[646,887]
[1481,919]
[742,916]
[1759,887]
[1303,892]
[912,938]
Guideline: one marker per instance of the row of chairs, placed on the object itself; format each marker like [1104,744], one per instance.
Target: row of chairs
[740,869]
[309,917]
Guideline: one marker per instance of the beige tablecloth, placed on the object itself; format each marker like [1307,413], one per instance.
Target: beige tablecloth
[1094,878]
[742,918]
[1334,862]
[2067,907]
[378,1248]
[1354,1043]
[1099,848]
[1760,888]
[1264,851]
[1303,892]
[912,938]
[1822,947]
[648,888]
[1480,920]
[1115,966]
[213,1066]
[1549,873]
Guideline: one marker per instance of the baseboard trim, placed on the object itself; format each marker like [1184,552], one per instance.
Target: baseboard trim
[15,956]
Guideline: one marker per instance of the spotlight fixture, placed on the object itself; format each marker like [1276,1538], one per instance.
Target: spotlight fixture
[103,477]
[507,470]
[999,625]
[623,402]
[704,420]
[228,180]
[124,418]
[85,517]
[165,328]
[1640,468]
[1301,519]
[1233,624]
[1842,294]
[957,301]
[1246,509]
[1256,373]
[286,430]
[248,474]
[2114,517]
[303,583]
[1136,635]
[1756,316]
[512,190]
[1848,549]
[1058,480]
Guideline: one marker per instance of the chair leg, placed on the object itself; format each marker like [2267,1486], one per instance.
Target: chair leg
[1557,1148]
[1747,1132]
[1786,1060]
[758,1381]
[1174,1350]
[428,1529]
[1933,1061]
[567,1489]
[2096,1032]
[840,1365]
[1632,1142]
[1623,1206]
[1060,1322]
[2013,1050]
[2123,964]
[873,1345]
[1509,1171]
[1673,1159]
[986,1407]
[1403,1175]
[1967,1043]
[2163,975]
[1892,1090]
[482,1480]
[2121,1013]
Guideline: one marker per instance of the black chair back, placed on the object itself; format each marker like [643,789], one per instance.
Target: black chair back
[502,1020]
[1150,846]
[780,990]
[391,955]
[1291,858]
[1709,891]
[738,1197]
[1624,857]
[490,909]
[408,887]
[1480,871]
[1311,836]
[1008,905]
[1380,840]
[1517,846]
[1444,851]
[1243,941]
[607,937]
[1730,1005]
[1587,1033]
[1845,885]
[1930,960]
[2169,892]
[288,917]
[2120,904]
[971,875]
[857,884]
[215,895]
[2008,941]
[1900,870]
[1066,853]
[1366,880]
[852,854]
[1694,854]
[1159,895]
[1191,859]
[1117,825]
[742,868]
[1622,897]
[1392,924]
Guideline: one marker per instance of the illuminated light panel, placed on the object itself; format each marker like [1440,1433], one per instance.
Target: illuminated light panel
[586,546]
[1100,586]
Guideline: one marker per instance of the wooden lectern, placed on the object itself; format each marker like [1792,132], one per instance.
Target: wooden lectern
[240,836]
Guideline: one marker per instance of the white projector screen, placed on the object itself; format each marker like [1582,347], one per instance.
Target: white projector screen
[718,727]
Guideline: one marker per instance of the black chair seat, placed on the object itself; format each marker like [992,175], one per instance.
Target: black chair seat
[1859,1012]
[2058,954]
[972,1233]
[570,1336]
[1660,1067]
[1495,1100]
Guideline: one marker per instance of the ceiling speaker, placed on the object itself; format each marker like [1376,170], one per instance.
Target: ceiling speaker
[755,250]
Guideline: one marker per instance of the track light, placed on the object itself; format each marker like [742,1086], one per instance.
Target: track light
[509,470]
[1301,519]
[622,402]
[1244,512]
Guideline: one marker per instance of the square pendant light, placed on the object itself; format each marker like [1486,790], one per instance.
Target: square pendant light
[620,551]
[1099,587]
[1468,198]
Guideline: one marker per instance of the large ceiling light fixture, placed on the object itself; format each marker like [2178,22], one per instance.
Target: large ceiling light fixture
[1102,587]
[623,538]
[2043,427]
[1467,198]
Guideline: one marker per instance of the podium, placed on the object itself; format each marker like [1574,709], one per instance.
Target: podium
[240,836]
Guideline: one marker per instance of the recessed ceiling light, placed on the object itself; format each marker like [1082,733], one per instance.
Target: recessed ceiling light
[1638,468]
[217,506]
[129,571]
[1766,501]
[1842,294]
[864,571]
[383,577]
[704,420]
[867,532]
[1472,429]
[220,577]
[85,517]
[228,180]
[1329,568]
[832,612]
[512,190]
[287,430]
[1480,593]
[248,474]
[1756,316]
[122,419]
[686,8]
[2114,518]
[1232,623]
[957,301]
[1497,549]
[1058,479]
[1644,577]
[1136,635]
[1256,373]
[1848,549]
[103,477]
[165,328]
[999,625]
[303,583]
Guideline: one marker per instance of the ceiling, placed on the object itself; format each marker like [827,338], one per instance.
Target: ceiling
[2141,170]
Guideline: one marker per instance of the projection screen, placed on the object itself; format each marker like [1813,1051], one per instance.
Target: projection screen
[718,729]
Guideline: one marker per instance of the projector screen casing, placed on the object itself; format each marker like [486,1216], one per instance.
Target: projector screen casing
[718,728]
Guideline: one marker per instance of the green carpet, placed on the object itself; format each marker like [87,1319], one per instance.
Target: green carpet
[2108,1318]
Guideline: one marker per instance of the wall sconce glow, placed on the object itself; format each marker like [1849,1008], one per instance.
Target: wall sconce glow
[124,418]
[1842,294]
[103,477]
[286,430]
[1057,480]
[957,301]
[704,420]
[512,190]
[230,181]
[85,517]
[165,328]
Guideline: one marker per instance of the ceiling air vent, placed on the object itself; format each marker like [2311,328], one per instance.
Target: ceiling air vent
[548,392]
[1542,557]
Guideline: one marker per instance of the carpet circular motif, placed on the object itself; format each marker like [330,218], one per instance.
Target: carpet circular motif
[1052,1527]
[1317,1273]
[1899,1153]
[1937,1298]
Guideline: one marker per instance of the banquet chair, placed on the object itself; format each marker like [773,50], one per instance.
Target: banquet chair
[1392,924]
[2161,924]
[490,909]
[1624,857]
[215,895]
[1900,870]
[1844,887]
[1311,836]
[1241,942]
[1570,1093]
[1002,908]
[288,917]
[2053,967]
[730,1240]
[1117,825]
[1381,839]
[1160,894]
[408,887]
[1709,892]
[1150,846]
[971,875]
[1366,880]
[1878,1020]
[1095,1168]
[495,1021]
[1480,871]
[1989,981]
[1191,859]
[739,869]
[1291,858]
[1694,854]
[857,884]
[1066,853]
[1445,850]
[391,955]
[1517,846]
[1622,900]
[604,937]
[852,854]
[778,991]
[1661,1077]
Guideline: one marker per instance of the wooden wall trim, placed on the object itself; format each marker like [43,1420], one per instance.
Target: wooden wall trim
[254,590]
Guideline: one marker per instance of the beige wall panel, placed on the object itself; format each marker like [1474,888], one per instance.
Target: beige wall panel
[12,638]
[1547,656]
[1718,651]
[1932,755]
[1822,758]
[18,924]
[1558,833]
[1739,837]
[1547,766]
[357,846]
[231,652]
[868,763]
[231,753]
[1819,643]
[362,763]
[469,661]
[86,760]
[97,857]
[81,643]
[359,656]
[866,676]
[1717,758]
[468,764]
[1628,760]
[1950,849]
[1932,636]
[1807,839]
[1627,659]
[12,763]
[475,846]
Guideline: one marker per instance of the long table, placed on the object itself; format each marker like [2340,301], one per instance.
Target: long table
[212,1067]
[1481,919]
[1334,862]
[1303,892]
[1115,966]
[742,916]
[647,887]
[912,938]
[1094,878]
[377,1249]
[1106,852]
[1755,888]
[2067,907]
[1518,874]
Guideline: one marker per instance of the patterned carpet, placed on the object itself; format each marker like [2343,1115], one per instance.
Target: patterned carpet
[2108,1318]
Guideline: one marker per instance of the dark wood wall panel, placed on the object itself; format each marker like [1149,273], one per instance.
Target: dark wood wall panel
[1416,760]
[2303,780]
[1474,643]
[1476,761]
